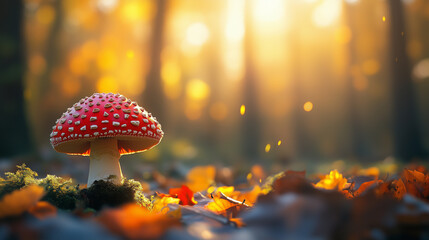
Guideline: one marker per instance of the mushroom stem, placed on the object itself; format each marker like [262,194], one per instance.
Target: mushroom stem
[104,161]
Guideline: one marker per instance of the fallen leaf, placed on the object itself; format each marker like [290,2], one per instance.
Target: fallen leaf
[43,210]
[19,201]
[185,195]
[160,204]
[333,181]
[200,178]
[134,222]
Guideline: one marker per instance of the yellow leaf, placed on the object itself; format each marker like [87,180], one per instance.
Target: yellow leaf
[333,181]
[200,178]
[160,204]
[19,201]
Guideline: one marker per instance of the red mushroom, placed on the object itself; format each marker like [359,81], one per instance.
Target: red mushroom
[105,126]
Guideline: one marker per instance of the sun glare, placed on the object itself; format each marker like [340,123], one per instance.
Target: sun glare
[197,34]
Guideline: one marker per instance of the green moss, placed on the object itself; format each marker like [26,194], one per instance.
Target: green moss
[24,176]
[106,193]
[60,192]
[64,194]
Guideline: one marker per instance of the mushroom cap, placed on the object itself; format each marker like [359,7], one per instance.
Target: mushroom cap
[105,115]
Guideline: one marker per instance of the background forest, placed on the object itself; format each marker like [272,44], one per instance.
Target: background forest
[284,84]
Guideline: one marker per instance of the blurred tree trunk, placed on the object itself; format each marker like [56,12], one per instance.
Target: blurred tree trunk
[304,146]
[303,143]
[251,126]
[357,145]
[407,134]
[14,137]
[153,95]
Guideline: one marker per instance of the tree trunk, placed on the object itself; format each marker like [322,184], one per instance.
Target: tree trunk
[153,94]
[251,126]
[357,143]
[407,134]
[14,135]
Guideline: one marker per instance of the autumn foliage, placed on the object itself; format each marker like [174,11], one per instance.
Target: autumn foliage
[290,197]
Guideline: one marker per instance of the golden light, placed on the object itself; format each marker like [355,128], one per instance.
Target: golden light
[106,5]
[308,106]
[327,13]
[242,110]
[130,54]
[268,11]
[106,59]
[171,75]
[136,10]
[197,34]
[343,34]
[107,84]
[279,142]
[234,29]
[70,86]
[370,67]
[197,90]
[267,148]
[193,110]
[384,18]
[218,111]
[45,14]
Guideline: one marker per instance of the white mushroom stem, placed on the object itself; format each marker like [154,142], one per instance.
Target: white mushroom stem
[104,161]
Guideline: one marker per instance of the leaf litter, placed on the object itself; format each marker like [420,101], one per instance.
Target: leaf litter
[288,205]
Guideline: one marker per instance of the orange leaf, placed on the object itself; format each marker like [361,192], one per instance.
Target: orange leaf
[19,201]
[333,181]
[185,195]
[134,222]
[43,210]
[160,205]
[200,178]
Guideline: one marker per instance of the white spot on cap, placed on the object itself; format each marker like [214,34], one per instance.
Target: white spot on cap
[60,128]
[83,128]
[126,116]
[105,128]
[112,110]
[111,131]
[116,115]
[116,124]
[92,119]
[150,133]
[62,134]
[124,125]
[53,134]
[71,129]
[83,116]
[105,121]
[95,110]
[105,114]
[62,120]
[53,128]
[77,123]
[69,121]
[126,110]
[135,123]
[78,107]
[86,109]
[96,133]
[145,120]
[144,129]
[94,127]
[118,107]
[136,111]
[107,105]
[153,126]
[134,132]
[134,116]
[86,135]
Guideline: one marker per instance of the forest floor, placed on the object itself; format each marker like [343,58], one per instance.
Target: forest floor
[288,205]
